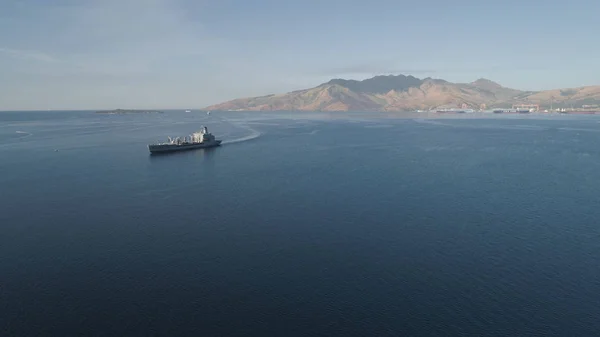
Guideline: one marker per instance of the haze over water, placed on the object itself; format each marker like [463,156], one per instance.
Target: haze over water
[301,224]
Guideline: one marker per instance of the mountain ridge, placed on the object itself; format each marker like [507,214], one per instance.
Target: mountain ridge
[408,93]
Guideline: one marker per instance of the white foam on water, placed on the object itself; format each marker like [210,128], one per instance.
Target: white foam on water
[27,134]
[253,134]
[577,129]
[379,126]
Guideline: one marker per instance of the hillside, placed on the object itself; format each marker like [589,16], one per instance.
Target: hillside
[408,93]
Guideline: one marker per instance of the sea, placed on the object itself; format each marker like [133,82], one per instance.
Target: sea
[300,224]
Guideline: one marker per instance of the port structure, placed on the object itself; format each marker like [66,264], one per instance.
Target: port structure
[531,107]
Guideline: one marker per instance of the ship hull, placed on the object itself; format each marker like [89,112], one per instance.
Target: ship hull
[168,148]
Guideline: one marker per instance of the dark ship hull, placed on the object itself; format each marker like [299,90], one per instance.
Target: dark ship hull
[168,148]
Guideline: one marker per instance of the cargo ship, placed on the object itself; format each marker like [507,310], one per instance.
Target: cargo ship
[197,140]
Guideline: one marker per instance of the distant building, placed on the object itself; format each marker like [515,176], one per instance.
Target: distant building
[530,107]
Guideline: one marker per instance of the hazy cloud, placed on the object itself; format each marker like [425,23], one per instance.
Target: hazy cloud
[369,69]
[112,36]
[27,55]
[104,53]
[384,69]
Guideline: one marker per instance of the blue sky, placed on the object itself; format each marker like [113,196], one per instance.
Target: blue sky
[78,54]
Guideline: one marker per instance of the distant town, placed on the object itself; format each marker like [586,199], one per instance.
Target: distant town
[589,109]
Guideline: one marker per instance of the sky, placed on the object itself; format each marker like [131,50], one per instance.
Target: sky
[105,54]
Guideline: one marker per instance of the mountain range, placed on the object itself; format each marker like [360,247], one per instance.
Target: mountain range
[408,93]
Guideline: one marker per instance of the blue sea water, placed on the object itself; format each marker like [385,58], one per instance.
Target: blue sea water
[301,224]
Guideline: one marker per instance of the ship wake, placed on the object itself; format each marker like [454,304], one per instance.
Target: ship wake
[253,134]
[23,134]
